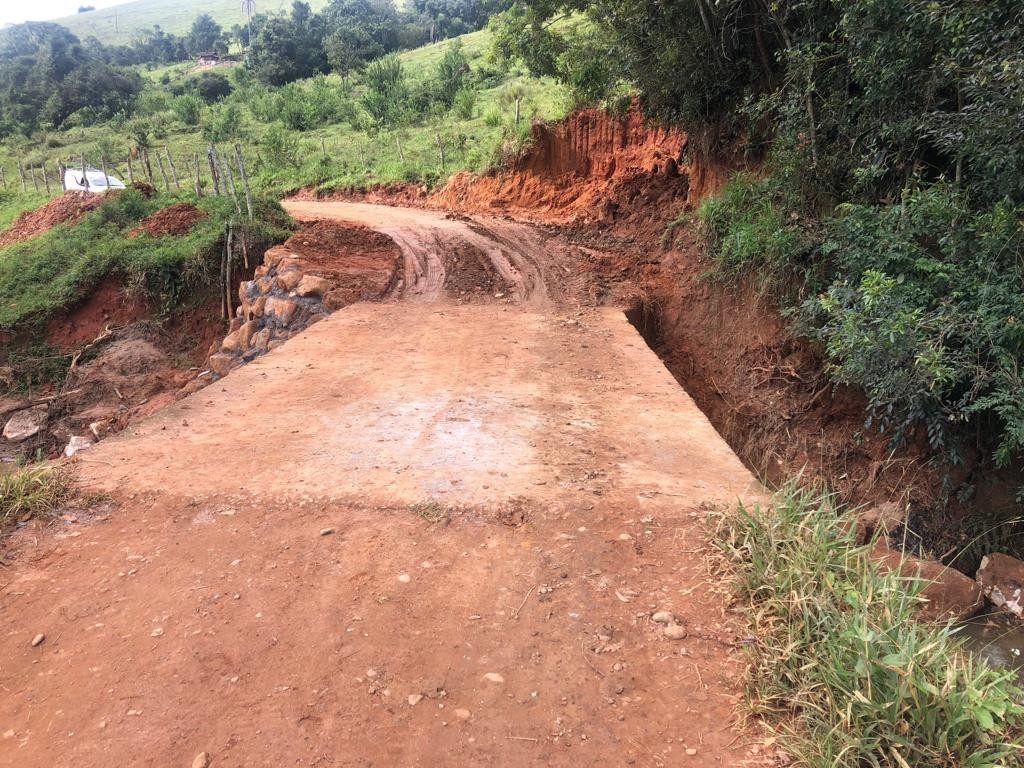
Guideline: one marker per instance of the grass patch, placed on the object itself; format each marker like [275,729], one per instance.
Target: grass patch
[841,671]
[32,492]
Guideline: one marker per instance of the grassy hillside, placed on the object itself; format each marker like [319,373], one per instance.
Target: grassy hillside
[119,24]
[358,155]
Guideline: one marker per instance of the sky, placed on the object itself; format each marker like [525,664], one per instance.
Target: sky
[17,11]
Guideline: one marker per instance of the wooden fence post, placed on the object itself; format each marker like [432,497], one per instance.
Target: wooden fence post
[148,166]
[199,179]
[213,170]
[61,170]
[3,177]
[398,143]
[163,173]
[230,184]
[174,171]
[131,171]
[35,181]
[323,147]
[21,172]
[106,176]
[85,175]
[46,180]
[245,179]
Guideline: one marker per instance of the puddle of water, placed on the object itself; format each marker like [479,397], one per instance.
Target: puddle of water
[998,638]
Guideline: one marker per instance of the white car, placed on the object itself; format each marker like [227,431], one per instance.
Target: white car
[97,181]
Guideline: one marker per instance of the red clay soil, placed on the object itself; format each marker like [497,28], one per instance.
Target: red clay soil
[362,264]
[107,306]
[618,183]
[177,219]
[66,209]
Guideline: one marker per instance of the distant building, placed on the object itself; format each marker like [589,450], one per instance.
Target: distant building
[210,59]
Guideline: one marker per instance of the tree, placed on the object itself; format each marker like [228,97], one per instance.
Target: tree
[203,36]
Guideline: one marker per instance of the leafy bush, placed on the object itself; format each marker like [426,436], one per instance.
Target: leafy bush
[462,105]
[387,92]
[925,313]
[749,232]
[188,107]
[838,644]
[281,147]
[226,123]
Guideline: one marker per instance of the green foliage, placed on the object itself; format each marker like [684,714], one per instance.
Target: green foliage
[31,493]
[225,124]
[47,76]
[188,107]
[387,94]
[204,35]
[838,644]
[44,274]
[281,147]
[749,232]
[924,313]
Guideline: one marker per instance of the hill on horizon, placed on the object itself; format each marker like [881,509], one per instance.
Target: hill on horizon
[119,24]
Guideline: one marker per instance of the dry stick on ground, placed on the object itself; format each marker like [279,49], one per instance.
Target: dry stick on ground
[174,171]
[245,179]
[163,173]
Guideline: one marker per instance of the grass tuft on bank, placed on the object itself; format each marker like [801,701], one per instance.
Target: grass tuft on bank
[840,670]
[32,492]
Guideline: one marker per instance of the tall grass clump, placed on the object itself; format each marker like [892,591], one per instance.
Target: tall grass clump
[841,670]
[31,492]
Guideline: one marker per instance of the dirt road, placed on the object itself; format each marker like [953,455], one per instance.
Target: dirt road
[419,533]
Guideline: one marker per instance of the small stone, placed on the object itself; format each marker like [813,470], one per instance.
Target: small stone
[462,714]
[494,677]
[134,712]
[38,640]
[663,617]
[326,531]
[691,751]
[312,285]
[405,578]
[415,698]
[624,537]
[9,734]
[157,632]
[202,761]
[675,632]
[76,444]
[372,674]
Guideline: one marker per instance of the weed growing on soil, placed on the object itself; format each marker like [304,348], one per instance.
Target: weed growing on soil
[837,644]
[32,492]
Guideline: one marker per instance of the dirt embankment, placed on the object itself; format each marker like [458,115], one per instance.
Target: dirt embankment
[618,183]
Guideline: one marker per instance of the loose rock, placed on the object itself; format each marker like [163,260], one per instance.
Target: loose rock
[415,698]
[38,640]
[405,578]
[494,677]
[326,531]
[462,714]
[1001,577]
[76,444]
[25,424]
[675,632]
[663,617]
[202,761]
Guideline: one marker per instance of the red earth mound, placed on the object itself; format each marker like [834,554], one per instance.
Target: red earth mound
[177,219]
[68,208]
[587,166]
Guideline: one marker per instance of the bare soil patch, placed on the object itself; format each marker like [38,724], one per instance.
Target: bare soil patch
[66,209]
[177,219]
